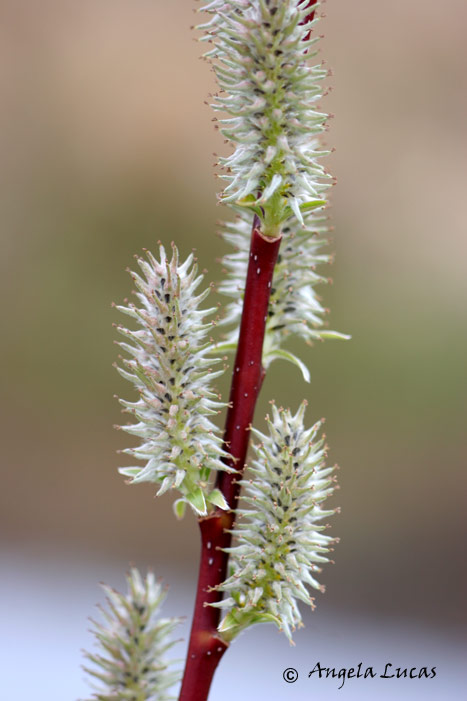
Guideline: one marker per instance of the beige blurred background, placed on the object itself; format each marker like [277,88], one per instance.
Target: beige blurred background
[106,147]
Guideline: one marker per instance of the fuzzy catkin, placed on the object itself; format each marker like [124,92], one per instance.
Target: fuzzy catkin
[169,368]
[280,543]
[295,308]
[270,90]
[133,642]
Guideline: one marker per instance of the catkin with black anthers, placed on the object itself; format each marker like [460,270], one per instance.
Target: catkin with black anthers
[270,90]
[295,308]
[133,642]
[270,85]
[280,543]
[169,367]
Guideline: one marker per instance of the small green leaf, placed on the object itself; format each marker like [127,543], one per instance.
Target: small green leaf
[250,202]
[334,334]
[237,620]
[223,348]
[265,618]
[229,621]
[313,204]
[286,355]
[217,498]
[179,507]
[197,501]
[204,473]
[246,201]
[305,207]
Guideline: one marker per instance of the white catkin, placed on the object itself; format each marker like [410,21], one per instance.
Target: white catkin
[169,366]
[133,640]
[279,537]
[270,88]
[294,308]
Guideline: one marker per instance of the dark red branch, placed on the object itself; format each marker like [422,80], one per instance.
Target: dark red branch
[309,17]
[248,372]
[205,647]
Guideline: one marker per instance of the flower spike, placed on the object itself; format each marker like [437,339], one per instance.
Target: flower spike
[280,539]
[294,308]
[271,93]
[134,641]
[179,443]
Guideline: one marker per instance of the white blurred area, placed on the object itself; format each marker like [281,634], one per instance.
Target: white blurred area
[44,606]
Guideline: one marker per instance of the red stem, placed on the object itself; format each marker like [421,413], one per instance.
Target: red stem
[248,371]
[309,18]
[205,647]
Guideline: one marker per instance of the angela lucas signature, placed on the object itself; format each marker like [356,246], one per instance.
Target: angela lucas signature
[319,671]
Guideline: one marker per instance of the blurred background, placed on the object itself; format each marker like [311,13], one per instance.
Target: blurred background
[106,147]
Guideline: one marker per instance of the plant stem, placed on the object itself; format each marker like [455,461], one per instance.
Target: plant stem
[206,647]
[248,371]
[310,16]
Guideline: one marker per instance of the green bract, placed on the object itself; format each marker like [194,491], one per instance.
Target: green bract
[179,444]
